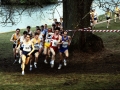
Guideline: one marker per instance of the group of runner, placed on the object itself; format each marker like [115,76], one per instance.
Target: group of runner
[46,41]
[108,15]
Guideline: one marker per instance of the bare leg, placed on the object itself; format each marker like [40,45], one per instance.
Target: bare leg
[53,57]
[23,63]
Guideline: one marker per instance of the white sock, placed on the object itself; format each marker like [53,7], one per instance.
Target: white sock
[52,61]
[22,71]
[35,63]
[64,60]
[30,65]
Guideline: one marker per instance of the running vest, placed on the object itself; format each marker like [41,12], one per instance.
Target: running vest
[54,41]
[108,14]
[22,39]
[36,43]
[15,38]
[116,10]
[95,15]
[27,47]
[48,38]
[65,42]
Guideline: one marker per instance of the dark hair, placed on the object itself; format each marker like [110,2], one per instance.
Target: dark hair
[49,29]
[28,34]
[53,25]
[56,22]
[39,29]
[17,29]
[25,32]
[42,25]
[60,23]
[57,28]
[28,27]
[36,33]
[65,31]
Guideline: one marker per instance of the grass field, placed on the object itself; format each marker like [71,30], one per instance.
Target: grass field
[84,71]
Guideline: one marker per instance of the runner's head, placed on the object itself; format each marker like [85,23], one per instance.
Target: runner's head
[108,9]
[27,37]
[49,30]
[25,33]
[36,35]
[116,5]
[65,33]
[17,31]
[56,24]
[37,27]
[57,29]
[38,30]
[55,20]
[45,26]
[28,28]
[42,27]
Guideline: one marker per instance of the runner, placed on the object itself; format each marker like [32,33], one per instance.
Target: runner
[44,32]
[94,18]
[22,38]
[46,50]
[108,15]
[91,15]
[36,43]
[53,27]
[56,38]
[61,21]
[64,49]
[117,13]
[29,31]
[41,40]
[28,49]
[16,41]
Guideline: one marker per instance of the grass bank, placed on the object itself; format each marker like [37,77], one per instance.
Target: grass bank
[84,71]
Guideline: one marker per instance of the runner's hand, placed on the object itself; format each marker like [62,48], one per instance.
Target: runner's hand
[28,54]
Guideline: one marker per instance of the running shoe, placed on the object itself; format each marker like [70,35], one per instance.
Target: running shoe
[60,66]
[52,63]
[23,73]
[14,61]
[19,60]
[30,69]
[45,61]
[35,65]
[65,62]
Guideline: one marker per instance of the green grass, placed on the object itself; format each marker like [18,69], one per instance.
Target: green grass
[60,82]
[84,71]
[110,39]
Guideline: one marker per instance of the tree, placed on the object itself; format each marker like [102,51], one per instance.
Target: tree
[76,16]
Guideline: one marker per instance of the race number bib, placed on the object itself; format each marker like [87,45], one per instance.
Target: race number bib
[27,48]
[48,40]
[65,44]
[54,43]
[36,46]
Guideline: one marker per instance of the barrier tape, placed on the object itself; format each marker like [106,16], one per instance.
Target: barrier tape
[90,30]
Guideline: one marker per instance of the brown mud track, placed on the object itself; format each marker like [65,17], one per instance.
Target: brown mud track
[102,62]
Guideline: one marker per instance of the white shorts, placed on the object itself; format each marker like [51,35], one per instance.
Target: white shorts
[41,46]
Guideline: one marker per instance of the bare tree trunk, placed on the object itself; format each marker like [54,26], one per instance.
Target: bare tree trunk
[76,16]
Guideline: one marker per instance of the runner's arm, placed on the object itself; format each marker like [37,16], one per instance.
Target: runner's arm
[11,39]
[32,49]
[69,40]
